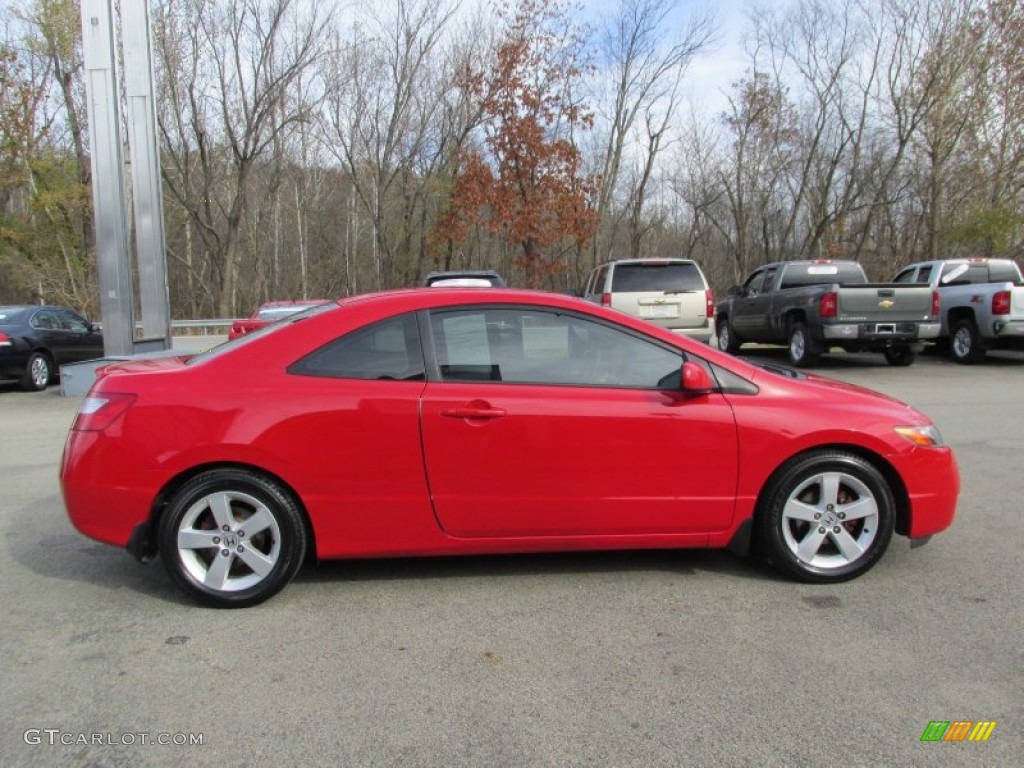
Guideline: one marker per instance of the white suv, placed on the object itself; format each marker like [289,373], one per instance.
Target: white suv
[672,293]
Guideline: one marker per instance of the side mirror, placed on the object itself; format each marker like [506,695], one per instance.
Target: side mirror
[696,379]
[735,290]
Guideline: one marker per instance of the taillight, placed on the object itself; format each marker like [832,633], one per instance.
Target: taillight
[98,411]
[936,309]
[5,340]
[606,299]
[709,300]
[829,306]
[1001,303]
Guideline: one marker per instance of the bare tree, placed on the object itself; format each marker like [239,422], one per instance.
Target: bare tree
[644,57]
[384,99]
[227,72]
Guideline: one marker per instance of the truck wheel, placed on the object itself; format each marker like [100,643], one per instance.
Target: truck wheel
[966,345]
[801,353]
[727,341]
[900,356]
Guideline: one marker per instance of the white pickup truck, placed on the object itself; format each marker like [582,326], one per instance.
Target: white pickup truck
[981,303]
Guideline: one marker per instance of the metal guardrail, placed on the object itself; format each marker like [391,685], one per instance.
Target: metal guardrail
[216,323]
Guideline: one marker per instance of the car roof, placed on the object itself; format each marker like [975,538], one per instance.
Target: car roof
[292,302]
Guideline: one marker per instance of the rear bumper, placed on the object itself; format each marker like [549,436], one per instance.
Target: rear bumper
[1008,329]
[881,334]
[702,335]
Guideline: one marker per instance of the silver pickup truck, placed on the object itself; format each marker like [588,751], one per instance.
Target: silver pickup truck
[981,303]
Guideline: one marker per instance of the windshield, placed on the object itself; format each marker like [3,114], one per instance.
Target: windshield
[293,317]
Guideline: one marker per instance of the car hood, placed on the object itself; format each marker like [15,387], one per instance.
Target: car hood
[812,387]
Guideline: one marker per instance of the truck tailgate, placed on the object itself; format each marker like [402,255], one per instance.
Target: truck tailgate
[1017,302]
[682,309]
[884,302]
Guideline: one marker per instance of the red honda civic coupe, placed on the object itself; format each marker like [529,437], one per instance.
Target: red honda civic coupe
[448,421]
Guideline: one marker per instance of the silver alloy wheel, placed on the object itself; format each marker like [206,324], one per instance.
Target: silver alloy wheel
[228,541]
[797,344]
[830,520]
[723,337]
[39,370]
[962,342]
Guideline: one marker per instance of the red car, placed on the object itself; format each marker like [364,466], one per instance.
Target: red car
[445,421]
[270,312]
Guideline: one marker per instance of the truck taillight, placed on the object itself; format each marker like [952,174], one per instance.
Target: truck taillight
[709,297]
[936,308]
[98,411]
[829,306]
[1001,303]
[606,299]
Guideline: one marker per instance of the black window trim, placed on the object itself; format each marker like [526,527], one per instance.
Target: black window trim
[295,368]
[433,368]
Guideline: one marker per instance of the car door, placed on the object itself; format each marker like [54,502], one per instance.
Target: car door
[48,333]
[548,423]
[750,313]
[81,340]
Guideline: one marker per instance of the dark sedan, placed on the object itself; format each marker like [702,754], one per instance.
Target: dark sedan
[36,340]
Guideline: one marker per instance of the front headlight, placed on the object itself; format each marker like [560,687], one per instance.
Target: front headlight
[927,437]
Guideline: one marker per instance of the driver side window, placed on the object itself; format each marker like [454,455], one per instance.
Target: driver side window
[527,346]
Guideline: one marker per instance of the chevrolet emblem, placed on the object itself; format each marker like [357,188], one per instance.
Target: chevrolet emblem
[886,304]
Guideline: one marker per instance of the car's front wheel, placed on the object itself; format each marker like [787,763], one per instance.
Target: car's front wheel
[826,516]
[900,356]
[232,538]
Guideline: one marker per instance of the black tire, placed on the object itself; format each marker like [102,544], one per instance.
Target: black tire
[850,532]
[900,356]
[38,373]
[224,565]
[727,339]
[801,349]
[966,345]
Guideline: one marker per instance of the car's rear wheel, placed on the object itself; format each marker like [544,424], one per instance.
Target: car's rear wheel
[966,345]
[826,516]
[232,538]
[801,350]
[38,372]
[727,340]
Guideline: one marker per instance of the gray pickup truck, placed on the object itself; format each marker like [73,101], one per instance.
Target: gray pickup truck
[813,306]
[981,303]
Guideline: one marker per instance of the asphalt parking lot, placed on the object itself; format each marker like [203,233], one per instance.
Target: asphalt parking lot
[631,659]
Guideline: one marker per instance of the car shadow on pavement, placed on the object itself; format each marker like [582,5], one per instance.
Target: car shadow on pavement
[60,552]
[683,562]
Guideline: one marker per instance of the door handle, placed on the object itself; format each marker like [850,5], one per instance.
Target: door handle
[471,412]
